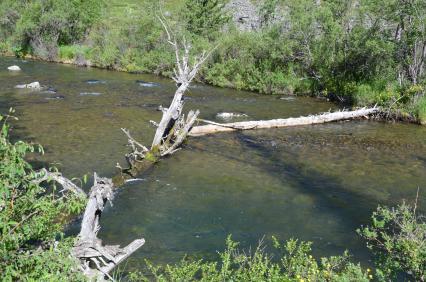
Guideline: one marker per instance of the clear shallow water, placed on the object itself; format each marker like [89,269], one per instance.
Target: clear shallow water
[316,183]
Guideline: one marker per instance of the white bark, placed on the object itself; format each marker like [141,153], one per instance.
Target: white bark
[66,184]
[96,259]
[214,127]
[184,73]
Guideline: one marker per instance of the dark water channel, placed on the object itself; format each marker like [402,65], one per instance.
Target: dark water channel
[316,183]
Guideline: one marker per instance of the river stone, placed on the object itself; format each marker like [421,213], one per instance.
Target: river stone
[95,81]
[14,68]
[59,97]
[90,94]
[288,98]
[50,90]
[146,84]
[228,116]
[33,85]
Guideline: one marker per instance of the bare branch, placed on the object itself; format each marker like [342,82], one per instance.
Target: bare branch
[88,247]
[67,185]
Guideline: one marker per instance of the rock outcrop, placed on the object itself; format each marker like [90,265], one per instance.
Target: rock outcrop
[244,14]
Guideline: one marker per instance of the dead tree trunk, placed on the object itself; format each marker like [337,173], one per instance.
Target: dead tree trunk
[214,127]
[174,126]
[98,260]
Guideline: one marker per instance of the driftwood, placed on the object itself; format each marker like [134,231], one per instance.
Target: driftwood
[97,260]
[214,127]
[67,185]
[173,127]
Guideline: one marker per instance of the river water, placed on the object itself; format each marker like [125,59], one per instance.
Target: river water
[316,183]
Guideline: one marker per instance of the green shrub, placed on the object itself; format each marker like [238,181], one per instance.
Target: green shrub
[295,264]
[31,216]
[70,52]
[205,18]
[420,109]
[397,237]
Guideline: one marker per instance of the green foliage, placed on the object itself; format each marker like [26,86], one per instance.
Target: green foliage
[40,26]
[296,264]
[205,17]
[398,238]
[31,218]
[70,52]
[268,11]
[420,109]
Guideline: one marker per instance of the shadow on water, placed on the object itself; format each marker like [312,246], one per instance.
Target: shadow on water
[329,194]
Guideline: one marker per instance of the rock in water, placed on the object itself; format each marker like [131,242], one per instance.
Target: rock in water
[146,84]
[95,81]
[228,116]
[90,94]
[14,68]
[34,85]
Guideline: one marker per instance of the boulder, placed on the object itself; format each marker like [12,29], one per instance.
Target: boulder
[33,85]
[14,68]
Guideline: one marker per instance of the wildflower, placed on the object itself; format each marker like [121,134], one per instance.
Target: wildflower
[368,270]
[370,276]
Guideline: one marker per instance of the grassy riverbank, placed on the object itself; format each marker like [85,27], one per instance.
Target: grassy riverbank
[357,55]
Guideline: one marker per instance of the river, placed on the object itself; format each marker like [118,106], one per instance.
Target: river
[316,183]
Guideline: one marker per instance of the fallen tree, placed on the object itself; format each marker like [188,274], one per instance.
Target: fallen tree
[214,127]
[97,260]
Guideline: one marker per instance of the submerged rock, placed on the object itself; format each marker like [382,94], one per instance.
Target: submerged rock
[50,90]
[146,84]
[14,68]
[59,97]
[90,94]
[289,98]
[33,85]
[95,81]
[228,116]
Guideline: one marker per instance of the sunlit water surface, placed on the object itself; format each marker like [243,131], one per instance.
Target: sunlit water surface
[316,183]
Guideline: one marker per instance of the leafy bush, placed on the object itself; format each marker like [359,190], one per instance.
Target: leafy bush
[31,218]
[295,264]
[205,17]
[397,236]
[70,52]
[40,26]
[421,109]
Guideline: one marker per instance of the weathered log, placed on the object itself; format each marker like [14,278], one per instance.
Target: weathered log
[67,185]
[214,127]
[184,73]
[97,260]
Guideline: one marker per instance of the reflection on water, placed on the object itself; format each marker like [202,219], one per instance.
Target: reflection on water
[317,183]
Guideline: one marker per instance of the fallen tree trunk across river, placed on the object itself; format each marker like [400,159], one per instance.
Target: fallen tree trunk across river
[214,127]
